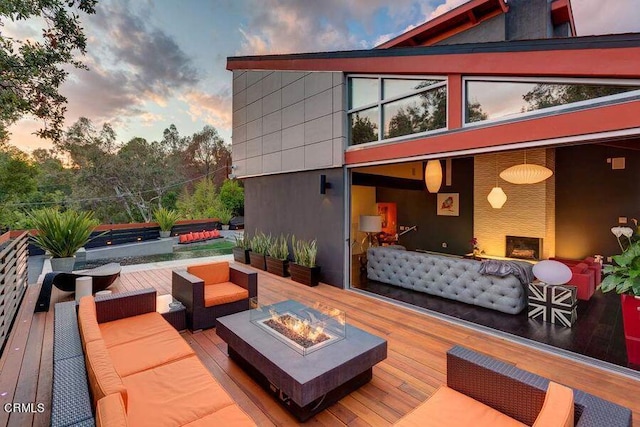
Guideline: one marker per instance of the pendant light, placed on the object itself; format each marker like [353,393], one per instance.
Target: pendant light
[526,173]
[496,197]
[433,176]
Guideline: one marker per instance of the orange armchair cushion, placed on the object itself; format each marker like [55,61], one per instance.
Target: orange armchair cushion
[103,378]
[217,272]
[87,319]
[557,409]
[223,293]
[447,407]
[111,412]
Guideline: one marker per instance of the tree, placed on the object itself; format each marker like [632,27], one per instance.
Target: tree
[143,176]
[31,72]
[210,154]
[203,203]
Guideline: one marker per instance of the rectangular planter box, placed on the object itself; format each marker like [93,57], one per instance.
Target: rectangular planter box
[277,266]
[631,322]
[241,255]
[257,260]
[309,276]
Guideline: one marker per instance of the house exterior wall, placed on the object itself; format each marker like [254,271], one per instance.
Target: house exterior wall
[287,121]
[291,203]
[491,30]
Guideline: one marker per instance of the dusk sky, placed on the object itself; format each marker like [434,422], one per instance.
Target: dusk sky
[153,63]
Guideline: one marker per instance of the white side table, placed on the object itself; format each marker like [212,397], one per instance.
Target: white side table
[84,287]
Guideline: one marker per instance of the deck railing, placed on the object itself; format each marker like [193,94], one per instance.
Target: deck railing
[13,281]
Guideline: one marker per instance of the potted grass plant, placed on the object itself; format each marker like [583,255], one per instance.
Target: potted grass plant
[61,234]
[304,269]
[224,215]
[259,247]
[242,248]
[166,219]
[623,277]
[278,256]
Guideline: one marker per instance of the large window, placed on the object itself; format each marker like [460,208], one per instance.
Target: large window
[493,99]
[384,108]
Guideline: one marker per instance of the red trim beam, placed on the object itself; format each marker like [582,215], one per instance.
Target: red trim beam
[612,63]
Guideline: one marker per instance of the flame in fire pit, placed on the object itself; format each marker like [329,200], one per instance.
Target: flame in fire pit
[297,330]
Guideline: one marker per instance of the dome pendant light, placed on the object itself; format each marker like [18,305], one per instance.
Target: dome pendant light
[433,176]
[496,198]
[526,173]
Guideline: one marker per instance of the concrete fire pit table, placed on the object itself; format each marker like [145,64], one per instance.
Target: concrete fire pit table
[304,384]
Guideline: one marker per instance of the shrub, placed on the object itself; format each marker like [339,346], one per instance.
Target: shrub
[62,233]
[232,196]
[304,252]
[279,248]
[166,218]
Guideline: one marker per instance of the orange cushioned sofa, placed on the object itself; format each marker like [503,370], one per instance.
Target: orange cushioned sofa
[141,372]
[211,290]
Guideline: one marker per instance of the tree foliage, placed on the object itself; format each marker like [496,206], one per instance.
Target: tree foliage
[89,169]
[363,130]
[546,95]
[202,203]
[232,196]
[32,71]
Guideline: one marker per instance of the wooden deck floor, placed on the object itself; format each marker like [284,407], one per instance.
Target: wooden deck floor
[414,368]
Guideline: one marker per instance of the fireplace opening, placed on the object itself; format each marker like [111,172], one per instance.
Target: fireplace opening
[523,247]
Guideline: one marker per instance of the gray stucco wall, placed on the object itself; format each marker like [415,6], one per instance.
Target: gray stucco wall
[492,30]
[526,19]
[291,203]
[287,121]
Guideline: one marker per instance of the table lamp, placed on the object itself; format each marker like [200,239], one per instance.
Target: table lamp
[552,272]
[372,225]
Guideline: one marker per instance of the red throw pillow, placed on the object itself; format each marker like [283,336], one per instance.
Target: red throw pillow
[579,268]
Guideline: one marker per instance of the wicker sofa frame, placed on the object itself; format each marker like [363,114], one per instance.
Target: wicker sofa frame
[189,290]
[520,394]
[71,399]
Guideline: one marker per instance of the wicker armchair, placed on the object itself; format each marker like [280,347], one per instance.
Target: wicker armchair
[517,393]
[209,291]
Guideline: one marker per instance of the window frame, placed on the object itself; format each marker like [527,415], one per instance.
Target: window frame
[443,81]
[604,100]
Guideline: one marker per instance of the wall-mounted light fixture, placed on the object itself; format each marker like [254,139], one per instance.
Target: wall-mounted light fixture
[324,185]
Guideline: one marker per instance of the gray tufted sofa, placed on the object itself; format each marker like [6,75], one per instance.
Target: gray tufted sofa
[447,277]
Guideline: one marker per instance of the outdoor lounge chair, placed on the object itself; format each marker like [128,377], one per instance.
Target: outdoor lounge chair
[102,277]
[209,291]
[495,393]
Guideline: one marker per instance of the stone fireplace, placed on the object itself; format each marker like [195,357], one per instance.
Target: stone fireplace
[523,247]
